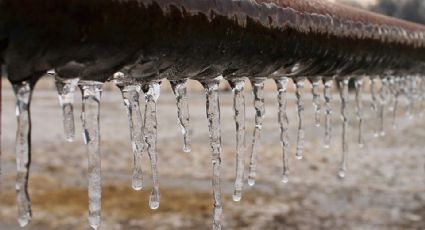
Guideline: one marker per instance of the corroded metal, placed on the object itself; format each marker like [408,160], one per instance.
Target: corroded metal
[148,39]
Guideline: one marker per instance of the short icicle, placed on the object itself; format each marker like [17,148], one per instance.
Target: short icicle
[180,91]
[299,84]
[152,91]
[23,92]
[328,82]
[213,115]
[130,94]
[92,91]
[66,91]
[239,116]
[315,90]
[358,83]
[343,89]
[374,103]
[258,90]
[282,87]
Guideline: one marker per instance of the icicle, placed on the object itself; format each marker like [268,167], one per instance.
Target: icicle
[92,91]
[343,88]
[239,116]
[258,90]
[66,90]
[315,82]
[299,83]
[180,91]
[328,82]
[397,92]
[382,102]
[213,115]
[23,92]
[358,85]
[374,103]
[131,94]
[152,91]
[282,87]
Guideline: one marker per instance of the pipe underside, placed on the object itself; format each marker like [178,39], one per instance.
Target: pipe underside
[203,39]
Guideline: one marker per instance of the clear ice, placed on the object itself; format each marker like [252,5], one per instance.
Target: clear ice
[180,91]
[315,90]
[258,90]
[299,84]
[131,94]
[23,92]
[152,91]
[374,103]
[239,116]
[66,91]
[343,89]
[92,91]
[328,82]
[282,87]
[358,84]
[213,115]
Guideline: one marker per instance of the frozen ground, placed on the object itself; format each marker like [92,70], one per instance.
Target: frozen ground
[384,188]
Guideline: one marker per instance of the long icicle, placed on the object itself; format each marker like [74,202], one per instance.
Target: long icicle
[383,95]
[397,94]
[213,115]
[152,91]
[343,89]
[92,91]
[258,90]
[328,82]
[358,83]
[282,87]
[23,92]
[239,116]
[130,95]
[315,90]
[180,91]
[66,90]
[299,84]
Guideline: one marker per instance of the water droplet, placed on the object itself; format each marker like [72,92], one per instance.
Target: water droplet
[213,115]
[343,88]
[258,90]
[328,82]
[152,92]
[92,92]
[66,90]
[239,116]
[23,92]
[180,91]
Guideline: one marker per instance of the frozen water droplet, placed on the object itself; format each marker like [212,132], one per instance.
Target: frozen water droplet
[258,90]
[66,91]
[239,116]
[180,91]
[213,115]
[315,82]
[343,88]
[285,179]
[131,95]
[299,84]
[358,83]
[328,82]
[92,91]
[23,92]
[341,173]
[152,92]
[282,87]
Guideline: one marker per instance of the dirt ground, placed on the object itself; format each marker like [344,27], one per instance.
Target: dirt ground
[384,188]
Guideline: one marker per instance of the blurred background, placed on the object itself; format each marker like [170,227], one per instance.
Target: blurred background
[384,188]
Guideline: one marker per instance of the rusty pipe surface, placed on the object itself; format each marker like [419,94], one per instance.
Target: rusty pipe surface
[149,39]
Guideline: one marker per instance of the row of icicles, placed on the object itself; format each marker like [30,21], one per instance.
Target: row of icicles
[385,94]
